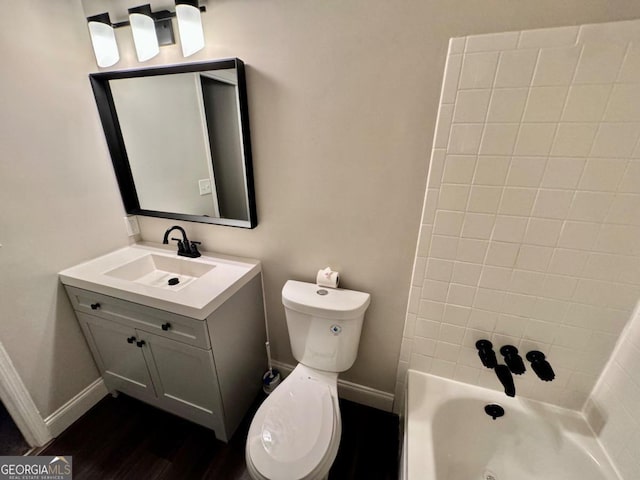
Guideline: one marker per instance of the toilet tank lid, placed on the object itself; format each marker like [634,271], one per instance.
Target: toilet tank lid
[336,303]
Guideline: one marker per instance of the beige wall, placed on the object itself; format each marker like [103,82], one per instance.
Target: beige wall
[343,99]
[60,204]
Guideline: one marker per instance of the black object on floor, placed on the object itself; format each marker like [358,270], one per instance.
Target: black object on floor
[11,440]
[122,438]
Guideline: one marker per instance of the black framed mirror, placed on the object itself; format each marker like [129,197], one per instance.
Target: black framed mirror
[179,140]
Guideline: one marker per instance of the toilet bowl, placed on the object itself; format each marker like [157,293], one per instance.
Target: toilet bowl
[295,434]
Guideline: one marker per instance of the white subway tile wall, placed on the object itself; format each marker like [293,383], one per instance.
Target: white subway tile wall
[531,227]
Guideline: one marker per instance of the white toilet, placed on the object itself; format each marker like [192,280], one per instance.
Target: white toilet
[295,433]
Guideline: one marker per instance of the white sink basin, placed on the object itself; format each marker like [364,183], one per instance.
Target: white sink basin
[160,271]
[140,273]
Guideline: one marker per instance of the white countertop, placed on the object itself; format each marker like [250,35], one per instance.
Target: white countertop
[198,299]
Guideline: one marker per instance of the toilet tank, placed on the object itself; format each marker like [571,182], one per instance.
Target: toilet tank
[324,324]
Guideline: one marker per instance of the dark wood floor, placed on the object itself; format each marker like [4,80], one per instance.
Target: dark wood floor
[122,438]
[11,440]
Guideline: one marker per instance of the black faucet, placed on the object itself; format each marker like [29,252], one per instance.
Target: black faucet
[541,366]
[504,375]
[486,353]
[513,359]
[185,247]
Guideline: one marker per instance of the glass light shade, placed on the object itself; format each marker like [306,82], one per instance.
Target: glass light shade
[105,48]
[190,29]
[143,29]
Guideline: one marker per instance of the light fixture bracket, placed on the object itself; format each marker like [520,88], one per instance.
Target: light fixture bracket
[100,18]
[164,31]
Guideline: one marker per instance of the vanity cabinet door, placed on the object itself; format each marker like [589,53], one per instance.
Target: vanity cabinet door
[185,379]
[119,357]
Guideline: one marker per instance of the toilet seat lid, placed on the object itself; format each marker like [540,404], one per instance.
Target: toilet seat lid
[290,437]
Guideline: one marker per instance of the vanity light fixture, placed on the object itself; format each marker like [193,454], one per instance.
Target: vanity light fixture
[150,31]
[189,26]
[143,28]
[103,40]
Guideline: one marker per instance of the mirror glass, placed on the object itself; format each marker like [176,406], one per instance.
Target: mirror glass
[179,141]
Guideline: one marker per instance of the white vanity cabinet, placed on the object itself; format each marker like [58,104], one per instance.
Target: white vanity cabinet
[208,371]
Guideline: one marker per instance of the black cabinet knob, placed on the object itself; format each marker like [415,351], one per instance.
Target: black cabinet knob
[131,339]
[165,326]
[140,343]
[95,306]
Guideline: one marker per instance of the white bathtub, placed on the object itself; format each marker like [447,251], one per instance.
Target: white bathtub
[448,436]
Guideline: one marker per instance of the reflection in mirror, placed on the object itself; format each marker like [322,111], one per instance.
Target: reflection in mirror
[179,140]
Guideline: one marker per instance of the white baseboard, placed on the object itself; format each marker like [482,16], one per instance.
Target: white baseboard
[20,405]
[71,411]
[352,391]
[365,395]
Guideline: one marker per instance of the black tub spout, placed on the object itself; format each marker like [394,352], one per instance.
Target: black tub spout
[504,375]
